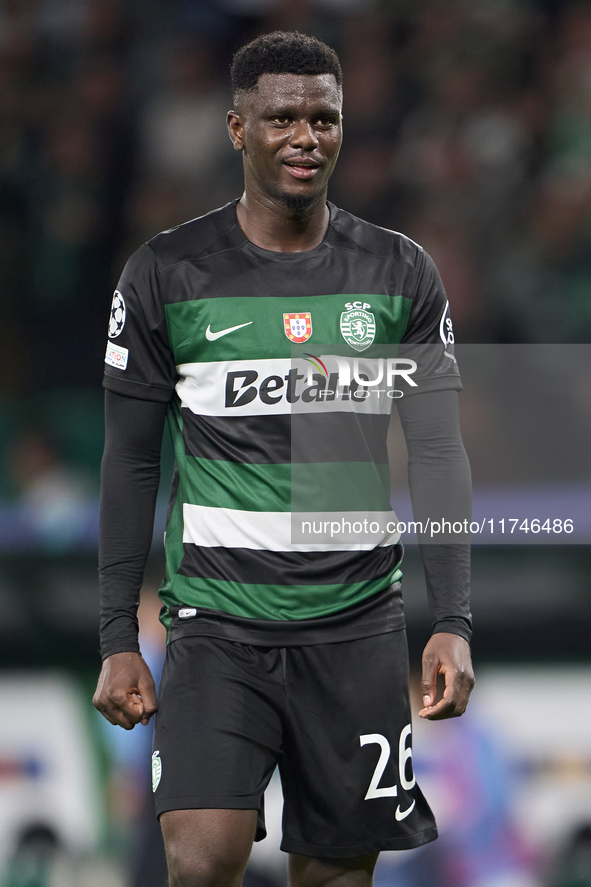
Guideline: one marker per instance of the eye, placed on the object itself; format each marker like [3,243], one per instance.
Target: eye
[326,122]
[280,120]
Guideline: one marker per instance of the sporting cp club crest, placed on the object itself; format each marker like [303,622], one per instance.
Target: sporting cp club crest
[298,327]
[358,328]
[156,770]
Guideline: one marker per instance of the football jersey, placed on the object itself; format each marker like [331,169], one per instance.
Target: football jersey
[280,370]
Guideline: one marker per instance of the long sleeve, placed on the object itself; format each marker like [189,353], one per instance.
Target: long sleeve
[440,487]
[130,473]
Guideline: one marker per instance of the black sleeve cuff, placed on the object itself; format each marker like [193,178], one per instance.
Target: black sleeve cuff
[119,635]
[122,647]
[460,626]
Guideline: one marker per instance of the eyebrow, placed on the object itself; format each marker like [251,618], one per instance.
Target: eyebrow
[290,110]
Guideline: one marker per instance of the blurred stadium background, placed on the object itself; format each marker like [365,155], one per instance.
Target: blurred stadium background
[467,127]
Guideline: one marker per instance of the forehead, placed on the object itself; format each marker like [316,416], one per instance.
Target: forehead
[296,91]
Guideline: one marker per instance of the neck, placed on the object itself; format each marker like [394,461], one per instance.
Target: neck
[281,227]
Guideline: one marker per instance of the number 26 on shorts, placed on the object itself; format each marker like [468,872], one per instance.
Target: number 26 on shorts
[404,755]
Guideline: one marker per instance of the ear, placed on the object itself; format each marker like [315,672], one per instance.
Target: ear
[235,124]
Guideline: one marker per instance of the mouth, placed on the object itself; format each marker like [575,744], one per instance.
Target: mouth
[302,169]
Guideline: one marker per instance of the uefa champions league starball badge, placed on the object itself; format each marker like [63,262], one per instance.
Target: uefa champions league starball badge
[117,318]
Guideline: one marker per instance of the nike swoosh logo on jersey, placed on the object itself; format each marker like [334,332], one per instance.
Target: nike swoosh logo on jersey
[402,814]
[213,336]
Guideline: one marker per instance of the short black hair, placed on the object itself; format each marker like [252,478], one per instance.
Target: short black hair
[282,52]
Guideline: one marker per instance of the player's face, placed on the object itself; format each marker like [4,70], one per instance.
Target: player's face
[290,131]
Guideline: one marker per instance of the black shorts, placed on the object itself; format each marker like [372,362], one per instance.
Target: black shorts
[334,717]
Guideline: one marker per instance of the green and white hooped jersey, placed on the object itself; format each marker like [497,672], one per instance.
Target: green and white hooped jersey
[281,504]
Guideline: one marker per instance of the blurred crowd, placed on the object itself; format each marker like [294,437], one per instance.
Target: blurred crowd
[467,126]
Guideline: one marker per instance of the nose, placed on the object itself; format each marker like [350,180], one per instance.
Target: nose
[304,136]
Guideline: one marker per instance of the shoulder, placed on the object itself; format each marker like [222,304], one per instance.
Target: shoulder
[357,234]
[197,237]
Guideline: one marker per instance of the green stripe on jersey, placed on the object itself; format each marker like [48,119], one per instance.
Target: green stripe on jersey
[340,486]
[333,486]
[287,602]
[263,335]
[240,486]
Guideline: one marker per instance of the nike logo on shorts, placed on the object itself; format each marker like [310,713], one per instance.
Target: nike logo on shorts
[402,814]
[213,336]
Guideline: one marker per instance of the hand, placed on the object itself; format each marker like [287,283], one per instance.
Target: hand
[125,693]
[446,654]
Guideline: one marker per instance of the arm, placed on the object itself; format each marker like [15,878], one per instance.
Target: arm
[440,486]
[130,474]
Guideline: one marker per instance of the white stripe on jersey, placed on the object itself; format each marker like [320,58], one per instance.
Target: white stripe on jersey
[272,530]
[233,388]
